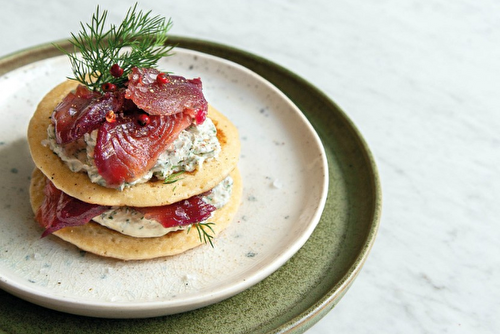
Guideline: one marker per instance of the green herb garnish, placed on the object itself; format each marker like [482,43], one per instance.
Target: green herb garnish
[203,234]
[139,41]
[172,178]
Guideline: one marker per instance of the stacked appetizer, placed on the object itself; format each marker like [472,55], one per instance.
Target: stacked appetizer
[131,162]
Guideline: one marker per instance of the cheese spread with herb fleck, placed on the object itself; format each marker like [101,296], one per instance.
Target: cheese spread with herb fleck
[193,146]
[128,221]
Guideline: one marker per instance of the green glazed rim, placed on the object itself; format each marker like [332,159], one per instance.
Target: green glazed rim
[311,283]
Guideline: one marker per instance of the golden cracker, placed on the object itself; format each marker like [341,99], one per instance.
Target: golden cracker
[102,241]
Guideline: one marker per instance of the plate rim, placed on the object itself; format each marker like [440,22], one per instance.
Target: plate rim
[314,313]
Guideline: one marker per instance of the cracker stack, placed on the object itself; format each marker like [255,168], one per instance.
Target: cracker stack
[100,240]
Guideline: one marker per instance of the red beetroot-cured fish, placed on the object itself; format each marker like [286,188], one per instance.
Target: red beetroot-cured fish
[166,95]
[189,211]
[59,210]
[78,113]
[128,147]
[130,141]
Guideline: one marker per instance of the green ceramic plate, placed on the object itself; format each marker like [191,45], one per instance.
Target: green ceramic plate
[310,283]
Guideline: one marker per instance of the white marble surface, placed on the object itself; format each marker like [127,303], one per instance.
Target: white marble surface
[421,81]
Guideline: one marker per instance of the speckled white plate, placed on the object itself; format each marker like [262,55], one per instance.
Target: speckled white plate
[285,179]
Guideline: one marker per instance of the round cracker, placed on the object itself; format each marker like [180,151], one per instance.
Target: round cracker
[153,193]
[103,241]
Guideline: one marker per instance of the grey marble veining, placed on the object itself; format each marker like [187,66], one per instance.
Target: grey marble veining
[420,79]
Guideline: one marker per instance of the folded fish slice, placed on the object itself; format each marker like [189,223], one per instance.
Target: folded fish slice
[126,149]
[160,97]
[186,212]
[60,210]
[83,111]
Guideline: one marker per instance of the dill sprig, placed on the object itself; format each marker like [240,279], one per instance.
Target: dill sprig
[97,49]
[204,234]
[174,177]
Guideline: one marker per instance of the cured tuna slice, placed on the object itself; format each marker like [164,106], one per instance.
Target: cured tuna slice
[81,112]
[60,210]
[189,211]
[127,148]
[172,95]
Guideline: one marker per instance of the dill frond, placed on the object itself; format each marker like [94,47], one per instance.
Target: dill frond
[204,230]
[174,177]
[139,41]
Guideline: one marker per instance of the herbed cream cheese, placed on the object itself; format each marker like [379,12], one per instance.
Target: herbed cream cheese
[192,147]
[128,221]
